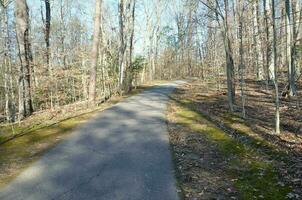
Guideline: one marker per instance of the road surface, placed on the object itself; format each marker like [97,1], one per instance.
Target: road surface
[123,153]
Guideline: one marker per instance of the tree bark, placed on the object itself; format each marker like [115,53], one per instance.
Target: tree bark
[8,87]
[289,48]
[257,42]
[241,52]
[123,44]
[47,31]
[229,60]
[95,51]
[274,55]
[22,29]
[269,58]
[131,46]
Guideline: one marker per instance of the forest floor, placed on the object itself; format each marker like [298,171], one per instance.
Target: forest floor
[21,144]
[218,155]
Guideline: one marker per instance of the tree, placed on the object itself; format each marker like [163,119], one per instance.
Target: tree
[222,20]
[131,47]
[274,55]
[95,50]
[126,36]
[257,41]
[25,58]
[270,73]
[229,59]
[46,22]
[192,6]
[10,105]
[241,52]
[123,43]
[290,47]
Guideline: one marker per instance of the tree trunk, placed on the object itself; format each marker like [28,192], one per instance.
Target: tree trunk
[47,31]
[274,55]
[229,60]
[190,38]
[269,59]
[293,75]
[131,46]
[8,87]
[257,42]
[289,48]
[95,50]
[46,23]
[22,29]
[241,64]
[155,39]
[123,44]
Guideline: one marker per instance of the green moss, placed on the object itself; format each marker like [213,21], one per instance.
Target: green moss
[259,181]
[23,150]
[253,171]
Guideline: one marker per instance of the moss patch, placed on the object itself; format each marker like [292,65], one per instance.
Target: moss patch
[18,153]
[253,172]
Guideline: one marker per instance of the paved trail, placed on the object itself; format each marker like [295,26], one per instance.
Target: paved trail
[123,153]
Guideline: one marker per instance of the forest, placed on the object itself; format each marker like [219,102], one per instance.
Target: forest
[241,61]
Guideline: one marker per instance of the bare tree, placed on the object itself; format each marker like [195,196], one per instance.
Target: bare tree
[289,47]
[131,46]
[274,55]
[240,10]
[123,43]
[95,50]
[222,20]
[257,41]
[22,29]
[126,35]
[47,21]
[10,105]
[268,32]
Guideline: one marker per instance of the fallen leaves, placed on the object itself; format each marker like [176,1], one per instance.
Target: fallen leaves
[195,155]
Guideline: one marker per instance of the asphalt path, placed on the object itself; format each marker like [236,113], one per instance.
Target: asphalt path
[122,153]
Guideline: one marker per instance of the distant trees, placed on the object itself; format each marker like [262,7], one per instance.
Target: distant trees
[259,40]
[51,62]
[35,77]
[220,41]
[271,26]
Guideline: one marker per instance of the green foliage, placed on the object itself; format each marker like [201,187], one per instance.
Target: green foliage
[138,64]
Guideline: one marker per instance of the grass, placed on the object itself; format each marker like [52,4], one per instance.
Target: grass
[252,170]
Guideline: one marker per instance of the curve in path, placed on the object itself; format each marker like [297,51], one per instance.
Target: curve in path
[123,153]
